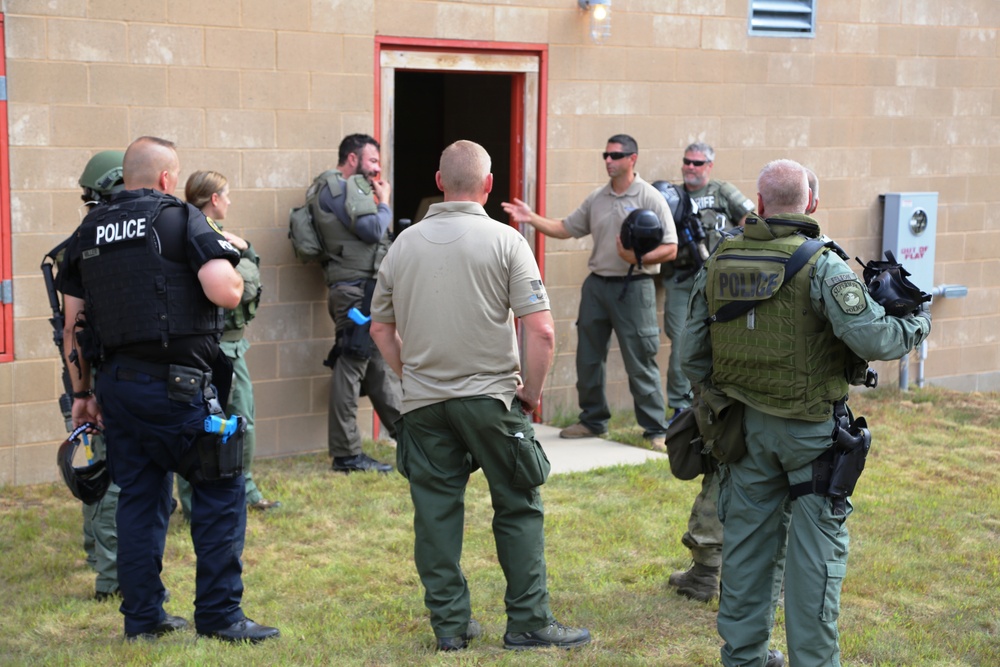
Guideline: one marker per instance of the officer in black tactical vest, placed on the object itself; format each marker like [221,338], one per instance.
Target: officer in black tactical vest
[146,278]
[350,211]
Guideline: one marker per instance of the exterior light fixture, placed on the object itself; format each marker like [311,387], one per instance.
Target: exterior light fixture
[600,18]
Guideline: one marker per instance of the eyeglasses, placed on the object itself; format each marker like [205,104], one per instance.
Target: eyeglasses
[616,155]
[695,163]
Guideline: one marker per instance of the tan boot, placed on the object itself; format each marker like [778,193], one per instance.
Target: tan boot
[578,430]
[700,583]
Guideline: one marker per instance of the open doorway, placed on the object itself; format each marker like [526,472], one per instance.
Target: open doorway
[434,109]
[433,92]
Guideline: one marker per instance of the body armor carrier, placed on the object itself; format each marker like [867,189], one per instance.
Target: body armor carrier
[781,358]
[348,257]
[133,293]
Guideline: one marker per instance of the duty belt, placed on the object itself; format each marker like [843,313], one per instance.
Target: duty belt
[621,279]
[129,369]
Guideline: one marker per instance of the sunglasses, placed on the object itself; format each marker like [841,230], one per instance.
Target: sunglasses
[616,155]
[695,163]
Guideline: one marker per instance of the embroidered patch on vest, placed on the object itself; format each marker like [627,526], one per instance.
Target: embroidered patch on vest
[850,296]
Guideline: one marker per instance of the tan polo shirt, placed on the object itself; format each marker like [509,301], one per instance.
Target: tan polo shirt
[452,284]
[601,215]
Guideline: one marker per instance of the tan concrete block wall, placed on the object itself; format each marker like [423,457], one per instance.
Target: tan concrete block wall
[888,96]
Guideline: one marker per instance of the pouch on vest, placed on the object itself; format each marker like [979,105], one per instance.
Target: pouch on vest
[247,310]
[685,447]
[720,420]
[358,199]
[305,241]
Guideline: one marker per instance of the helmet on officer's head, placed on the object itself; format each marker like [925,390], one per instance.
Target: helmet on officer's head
[88,483]
[680,203]
[641,232]
[102,177]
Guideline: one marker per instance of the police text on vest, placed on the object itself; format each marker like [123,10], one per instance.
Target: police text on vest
[121,231]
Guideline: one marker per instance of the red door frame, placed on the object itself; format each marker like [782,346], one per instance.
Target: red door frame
[6,257]
[517,108]
[517,144]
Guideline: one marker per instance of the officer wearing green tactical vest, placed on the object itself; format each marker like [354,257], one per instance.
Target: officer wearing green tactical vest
[789,360]
[350,211]
[721,207]
[101,179]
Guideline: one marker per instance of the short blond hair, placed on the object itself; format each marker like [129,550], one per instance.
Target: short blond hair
[464,167]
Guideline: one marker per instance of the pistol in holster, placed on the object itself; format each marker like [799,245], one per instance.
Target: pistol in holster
[215,446]
[837,470]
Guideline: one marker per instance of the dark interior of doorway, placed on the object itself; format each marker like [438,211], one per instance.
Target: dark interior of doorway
[434,109]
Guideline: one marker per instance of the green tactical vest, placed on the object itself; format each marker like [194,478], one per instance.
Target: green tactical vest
[714,221]
[348,257]
[780,358]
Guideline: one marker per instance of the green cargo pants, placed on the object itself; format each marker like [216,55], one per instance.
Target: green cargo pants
[704,533]
[438,446]
[633,320]
[754,502]
[100,532]
[675,306]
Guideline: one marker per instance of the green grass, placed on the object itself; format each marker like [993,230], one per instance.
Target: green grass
[333,568]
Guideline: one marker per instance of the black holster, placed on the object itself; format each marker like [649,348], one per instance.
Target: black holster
[354,340]
[837,470]
[208,458]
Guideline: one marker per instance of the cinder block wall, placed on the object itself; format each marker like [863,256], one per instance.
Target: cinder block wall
[888,97]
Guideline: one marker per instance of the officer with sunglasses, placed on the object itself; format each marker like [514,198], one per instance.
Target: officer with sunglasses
[721,207]
[604,307]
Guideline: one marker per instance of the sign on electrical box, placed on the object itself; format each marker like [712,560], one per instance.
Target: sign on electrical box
[909,230]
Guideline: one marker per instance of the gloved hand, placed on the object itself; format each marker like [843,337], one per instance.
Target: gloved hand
[924,313]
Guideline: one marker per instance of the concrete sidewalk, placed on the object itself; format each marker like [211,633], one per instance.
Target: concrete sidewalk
[588,453]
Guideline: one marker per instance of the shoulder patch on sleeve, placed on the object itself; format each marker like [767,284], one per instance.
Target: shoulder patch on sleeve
[538,292]
[215,227]
[747,204]
[849,293]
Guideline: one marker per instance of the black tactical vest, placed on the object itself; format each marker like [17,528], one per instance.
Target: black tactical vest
[133,293]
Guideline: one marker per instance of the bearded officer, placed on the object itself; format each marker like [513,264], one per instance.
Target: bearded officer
[147,278]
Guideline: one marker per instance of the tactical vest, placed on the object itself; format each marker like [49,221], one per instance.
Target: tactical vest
[237,318]
[715,218]
[780,357]
[348,257]
[133,293]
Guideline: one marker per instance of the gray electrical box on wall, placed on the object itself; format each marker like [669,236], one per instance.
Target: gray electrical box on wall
[909,230]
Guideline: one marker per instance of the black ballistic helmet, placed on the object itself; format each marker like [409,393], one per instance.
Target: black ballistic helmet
[641,232]
[89,482]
